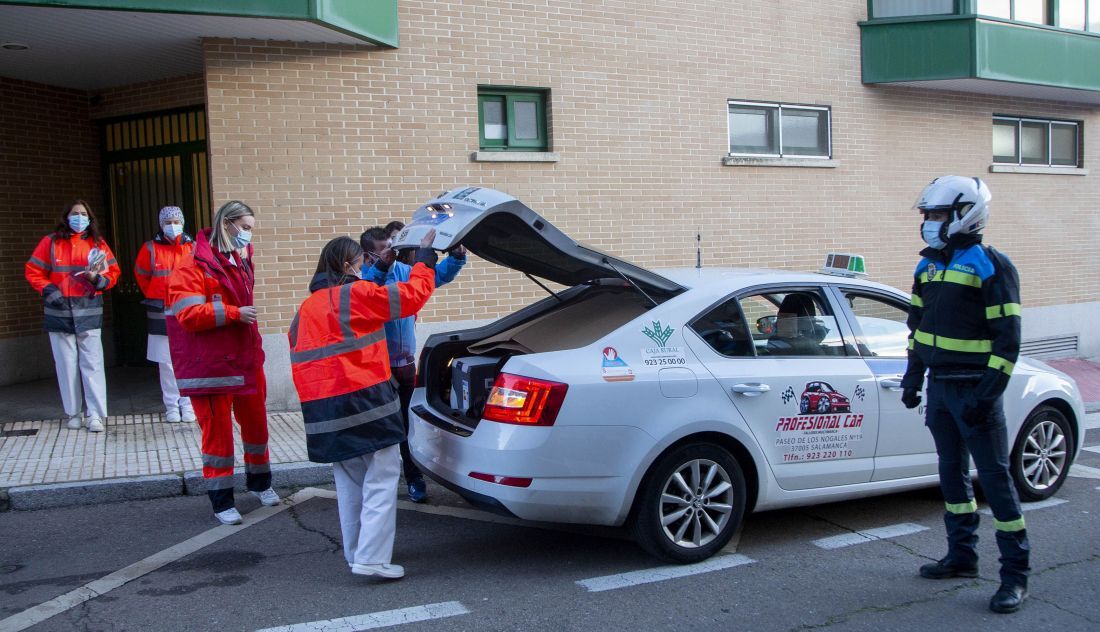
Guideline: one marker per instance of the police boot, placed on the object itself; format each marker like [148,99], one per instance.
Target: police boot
[1008,598]
[948,568]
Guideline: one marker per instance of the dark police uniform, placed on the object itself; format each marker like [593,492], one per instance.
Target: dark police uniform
[964,323]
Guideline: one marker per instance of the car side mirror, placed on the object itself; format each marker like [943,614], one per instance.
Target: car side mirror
[766,325]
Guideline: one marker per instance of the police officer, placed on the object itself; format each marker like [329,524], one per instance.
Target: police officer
[964,323]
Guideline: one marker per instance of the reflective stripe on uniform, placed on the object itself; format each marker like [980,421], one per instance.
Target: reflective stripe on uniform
[257,468]
[211,382]
[1010,525]
[916,301]
[212,460]
[999,363]
[345,312]
[155,315]
[254,448]
[220,482]
[998,311]
[338,348]
[395,301]
[38,262]
[953,344]
[65,313]
[190,301]
[336,425]
[219,311]
[952,276]
[962,508]
[69,268]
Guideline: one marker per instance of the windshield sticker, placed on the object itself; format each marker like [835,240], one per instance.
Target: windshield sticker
[663,356]
[615,369]
[825,428]
[657,334]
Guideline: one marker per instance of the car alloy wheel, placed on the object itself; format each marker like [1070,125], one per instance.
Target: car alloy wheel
[823,405]
[689,504]
[1041,456]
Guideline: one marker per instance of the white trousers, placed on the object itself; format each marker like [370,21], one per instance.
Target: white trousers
[79,360]
[169,392]
[366,497]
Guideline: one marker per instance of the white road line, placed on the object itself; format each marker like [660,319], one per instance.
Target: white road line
[378,619]
[660,574]
[1093,448]
[107,583]
[1084,471]
[869,535]
[1092,421]
[1039,504]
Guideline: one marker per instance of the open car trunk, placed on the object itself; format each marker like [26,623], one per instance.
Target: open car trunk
[458,369]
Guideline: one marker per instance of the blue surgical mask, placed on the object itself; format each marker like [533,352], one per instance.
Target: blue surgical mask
[172,231]
[242,238]
[79,223]
[930,233]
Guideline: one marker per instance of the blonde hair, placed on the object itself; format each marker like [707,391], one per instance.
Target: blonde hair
[220,238]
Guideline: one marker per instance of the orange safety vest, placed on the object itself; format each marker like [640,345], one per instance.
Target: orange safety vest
[341,367]
[71,304]
[155,262]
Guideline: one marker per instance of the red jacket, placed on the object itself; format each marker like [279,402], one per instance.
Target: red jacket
[213,352]
[154,264]
[72,304]
[341,367]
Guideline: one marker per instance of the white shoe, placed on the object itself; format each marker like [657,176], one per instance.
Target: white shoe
[95,424]
[75,422]
[268,497]
[172,416]
[388,571]
[188,415]
[229,516]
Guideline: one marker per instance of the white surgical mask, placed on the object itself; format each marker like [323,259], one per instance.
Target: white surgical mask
[172,231]
[930,233]
[79,223]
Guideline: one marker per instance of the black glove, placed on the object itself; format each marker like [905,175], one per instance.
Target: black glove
[976,412]
[427,256]
[911,397]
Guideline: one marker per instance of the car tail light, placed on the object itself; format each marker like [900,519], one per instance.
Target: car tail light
[511,481]
[524,400]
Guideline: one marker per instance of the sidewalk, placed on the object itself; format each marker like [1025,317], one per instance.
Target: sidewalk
[1087,375]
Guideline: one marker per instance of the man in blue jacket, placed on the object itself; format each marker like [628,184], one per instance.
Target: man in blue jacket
[380,266]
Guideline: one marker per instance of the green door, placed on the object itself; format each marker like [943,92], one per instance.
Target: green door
[151,161]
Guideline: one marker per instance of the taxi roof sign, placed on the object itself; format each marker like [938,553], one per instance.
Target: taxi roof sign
[844,264]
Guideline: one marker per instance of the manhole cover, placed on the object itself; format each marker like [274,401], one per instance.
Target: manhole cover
[30,432]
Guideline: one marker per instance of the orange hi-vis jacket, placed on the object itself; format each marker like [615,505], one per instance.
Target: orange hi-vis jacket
[341,366]
[155,262]
[213,352]
[71,304]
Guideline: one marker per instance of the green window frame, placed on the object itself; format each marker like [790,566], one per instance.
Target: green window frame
[512,119]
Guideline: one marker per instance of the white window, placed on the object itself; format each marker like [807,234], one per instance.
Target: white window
[1041,142]
[779,130]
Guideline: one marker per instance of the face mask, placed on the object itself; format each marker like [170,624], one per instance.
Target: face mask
[79,223]
[172,231]
[242,238]
[930,233]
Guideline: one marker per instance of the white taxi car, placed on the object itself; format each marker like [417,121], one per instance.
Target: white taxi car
[676,401]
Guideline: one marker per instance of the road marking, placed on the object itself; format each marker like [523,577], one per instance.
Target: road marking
[1093,448]
[107,583]
[1039,504]
[735,541]
[1092,421]
[1084,471]
[870,535]
[378,619]
[662,573]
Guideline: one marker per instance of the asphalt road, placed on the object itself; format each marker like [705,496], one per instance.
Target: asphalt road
[289,569]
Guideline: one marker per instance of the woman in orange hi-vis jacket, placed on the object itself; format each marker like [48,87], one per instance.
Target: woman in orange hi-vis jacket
[72,268]
[155,262]
[351,408]
[218,358]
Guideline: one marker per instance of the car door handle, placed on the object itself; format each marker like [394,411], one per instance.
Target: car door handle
[890,383]
[750,390]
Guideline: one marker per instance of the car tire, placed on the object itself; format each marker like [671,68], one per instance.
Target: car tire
[824,405]
[804,406]
[1042,448]
[721,505]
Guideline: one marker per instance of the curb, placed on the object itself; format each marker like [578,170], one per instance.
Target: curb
[112,490]
[1092,407]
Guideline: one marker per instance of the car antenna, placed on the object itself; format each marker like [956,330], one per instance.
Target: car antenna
[552,293]
[633,284]
[698,249]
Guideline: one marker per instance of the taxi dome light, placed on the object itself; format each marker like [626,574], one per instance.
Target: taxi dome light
[843,264]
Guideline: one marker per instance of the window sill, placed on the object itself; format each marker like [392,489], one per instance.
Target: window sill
[1049,171]
[515,156]
[748,161]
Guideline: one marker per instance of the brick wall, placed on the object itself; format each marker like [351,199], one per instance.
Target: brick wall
[49,154]
[149,96]
[326,140]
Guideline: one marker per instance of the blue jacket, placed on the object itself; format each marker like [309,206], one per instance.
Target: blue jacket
[401,334]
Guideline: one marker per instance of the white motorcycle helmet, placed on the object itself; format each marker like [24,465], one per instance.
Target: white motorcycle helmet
[966,199]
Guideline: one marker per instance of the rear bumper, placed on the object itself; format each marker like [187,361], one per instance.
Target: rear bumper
[580,474]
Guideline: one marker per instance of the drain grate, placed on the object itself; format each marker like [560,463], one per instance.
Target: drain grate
[29,432]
